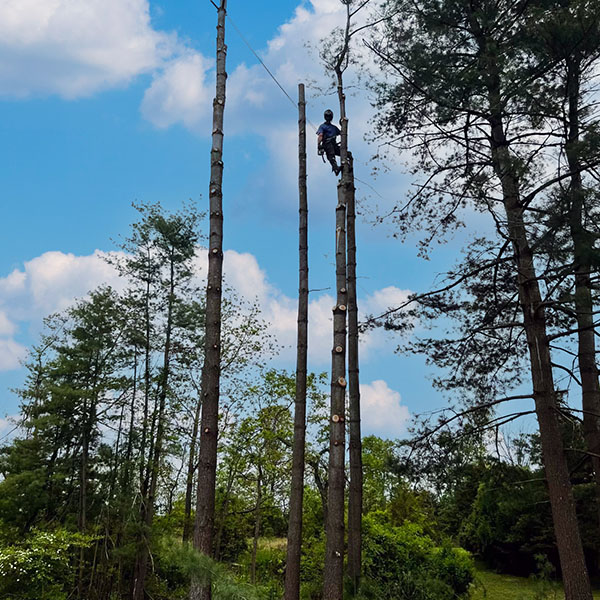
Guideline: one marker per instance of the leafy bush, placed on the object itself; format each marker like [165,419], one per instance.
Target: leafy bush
[270,562]
[38,568]
[402,563]
[178,564]
[311,568]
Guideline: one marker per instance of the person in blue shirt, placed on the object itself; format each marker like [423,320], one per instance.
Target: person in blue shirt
[327,142]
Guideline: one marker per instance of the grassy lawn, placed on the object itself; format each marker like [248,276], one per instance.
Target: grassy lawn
[491,586]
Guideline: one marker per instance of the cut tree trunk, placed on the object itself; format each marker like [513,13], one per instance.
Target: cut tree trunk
[294,539]
[355,496]
[334,548]
[211,372]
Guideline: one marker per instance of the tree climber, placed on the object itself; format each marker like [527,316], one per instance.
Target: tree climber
[327,143]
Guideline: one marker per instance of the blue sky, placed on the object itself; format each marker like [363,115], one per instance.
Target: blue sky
[109,102]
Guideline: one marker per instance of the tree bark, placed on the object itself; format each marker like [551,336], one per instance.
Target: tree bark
[207,463]
[355,497]
[333,580]
[294,539]
[334,548]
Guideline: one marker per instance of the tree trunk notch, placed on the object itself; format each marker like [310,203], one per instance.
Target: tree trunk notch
[294,541]
[207,461]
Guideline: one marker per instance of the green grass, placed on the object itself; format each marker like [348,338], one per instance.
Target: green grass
[492,586]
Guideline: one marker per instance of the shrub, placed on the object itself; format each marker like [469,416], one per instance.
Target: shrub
[38,568]
[177,564]
[403,563]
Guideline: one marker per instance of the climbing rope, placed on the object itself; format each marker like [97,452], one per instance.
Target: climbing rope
[280,86]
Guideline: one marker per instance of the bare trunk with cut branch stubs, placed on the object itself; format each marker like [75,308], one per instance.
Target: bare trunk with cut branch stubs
[355,443]
[207,462]
[294,540]
[345,276]
[355,494]
[334,548]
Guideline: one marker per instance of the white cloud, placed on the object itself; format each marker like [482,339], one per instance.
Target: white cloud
[77,48]
[382,410]
[52,281]
[281,312]
[46,284]
[384,299]
[11,354]
[254,103]
[180,94]
[7,327]
[243,273]
[375,304]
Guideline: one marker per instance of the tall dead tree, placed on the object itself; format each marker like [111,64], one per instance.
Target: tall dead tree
[334,548]
[211,371]
[355,495]
[294,540]
[333,579]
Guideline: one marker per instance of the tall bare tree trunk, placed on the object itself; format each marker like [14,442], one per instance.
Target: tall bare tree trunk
[294,539]
[355,496]
[207,462]
[334,549]
[583,244]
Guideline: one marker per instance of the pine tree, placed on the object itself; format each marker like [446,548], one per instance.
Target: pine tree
[461,70]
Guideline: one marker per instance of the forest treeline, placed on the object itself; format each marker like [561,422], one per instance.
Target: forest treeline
[493,108]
